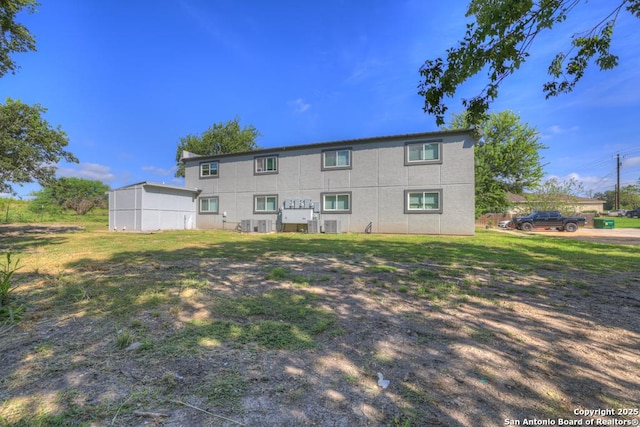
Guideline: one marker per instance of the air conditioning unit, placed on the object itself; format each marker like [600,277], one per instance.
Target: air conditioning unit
[246,226]
[313,227]
[332,226]
[264,226]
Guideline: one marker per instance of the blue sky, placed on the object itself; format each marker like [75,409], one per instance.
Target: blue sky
[127,79]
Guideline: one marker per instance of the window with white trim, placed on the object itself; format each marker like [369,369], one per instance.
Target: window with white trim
[209,205]
[336,159]
[208,169]
[266,164]
[265,204]
[336,202]
[423,152]
[423,201]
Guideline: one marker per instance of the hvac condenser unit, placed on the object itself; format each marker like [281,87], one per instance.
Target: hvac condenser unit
[313,227]
[332,226]
[264,226]
[246,226]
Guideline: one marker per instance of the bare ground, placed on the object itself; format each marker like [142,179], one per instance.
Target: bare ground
[521,346]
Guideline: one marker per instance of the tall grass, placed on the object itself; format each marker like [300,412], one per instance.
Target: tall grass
[13,211]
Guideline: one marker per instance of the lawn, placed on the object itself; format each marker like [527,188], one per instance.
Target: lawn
[221,328]
[623,222]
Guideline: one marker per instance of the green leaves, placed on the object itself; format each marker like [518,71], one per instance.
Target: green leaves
[498,43]
[594,44]
[15,37]
[508,161]
[29,146]
[78,194]
[221,138]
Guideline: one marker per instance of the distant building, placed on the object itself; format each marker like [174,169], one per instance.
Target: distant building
[520,204]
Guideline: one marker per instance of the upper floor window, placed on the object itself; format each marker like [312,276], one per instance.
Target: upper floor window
[209,169]
[423,201]
[265,204]
[267,164]
[336,159]
[336,202]
[423,152]
[209,205]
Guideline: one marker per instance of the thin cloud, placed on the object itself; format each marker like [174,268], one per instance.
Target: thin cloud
[631,161]
[299,106]
[159,171]
[92,171]
[559,130]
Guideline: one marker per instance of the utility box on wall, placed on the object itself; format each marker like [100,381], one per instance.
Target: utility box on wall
[297,216]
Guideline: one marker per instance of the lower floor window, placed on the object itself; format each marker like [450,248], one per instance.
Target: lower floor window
[209,205]
[266,203]
[423,201]
[336,202]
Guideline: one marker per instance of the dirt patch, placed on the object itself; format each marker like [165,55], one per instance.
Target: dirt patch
[18,230]
[489,346]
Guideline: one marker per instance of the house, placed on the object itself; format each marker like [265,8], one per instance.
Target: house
[416,183]
[147,206]
[520,204]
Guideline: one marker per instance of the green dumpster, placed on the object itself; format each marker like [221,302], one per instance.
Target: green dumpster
[603,223]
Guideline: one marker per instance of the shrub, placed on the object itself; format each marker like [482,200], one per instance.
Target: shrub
[8,310]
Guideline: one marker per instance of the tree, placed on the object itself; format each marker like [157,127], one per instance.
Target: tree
[78,194]
[609,198]
[29,146]
[556,195]
[221,138]
[499,40]
[629,197]
[14,37]
[508,161]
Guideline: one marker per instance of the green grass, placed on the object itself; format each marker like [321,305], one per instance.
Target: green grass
[276,320]
[624,222]
[171,292]
[14,211]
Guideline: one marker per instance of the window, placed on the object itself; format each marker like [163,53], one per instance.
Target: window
[423,152]
[423,201]
[266,164]
[209,169]
[336,202]
[265,204]
[209,205]
[336,159]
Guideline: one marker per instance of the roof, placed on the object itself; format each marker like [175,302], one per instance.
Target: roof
[158,185]
[358,141]
[517,198]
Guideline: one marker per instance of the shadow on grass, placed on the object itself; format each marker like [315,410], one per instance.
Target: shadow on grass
[433,314]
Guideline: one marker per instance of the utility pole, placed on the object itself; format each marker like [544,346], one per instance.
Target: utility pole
[618,181]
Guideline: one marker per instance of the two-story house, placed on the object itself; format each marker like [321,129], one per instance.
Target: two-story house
[418,183]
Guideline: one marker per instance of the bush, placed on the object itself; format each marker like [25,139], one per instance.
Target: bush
[8,309]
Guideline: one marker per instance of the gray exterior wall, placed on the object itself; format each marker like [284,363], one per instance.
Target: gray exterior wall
[377,181]
[147,207]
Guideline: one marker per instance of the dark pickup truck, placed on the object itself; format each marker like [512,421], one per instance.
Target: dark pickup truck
[548,219]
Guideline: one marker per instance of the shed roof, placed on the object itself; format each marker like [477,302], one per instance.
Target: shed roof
[159,185]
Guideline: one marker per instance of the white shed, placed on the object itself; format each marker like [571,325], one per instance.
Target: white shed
[148,206]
